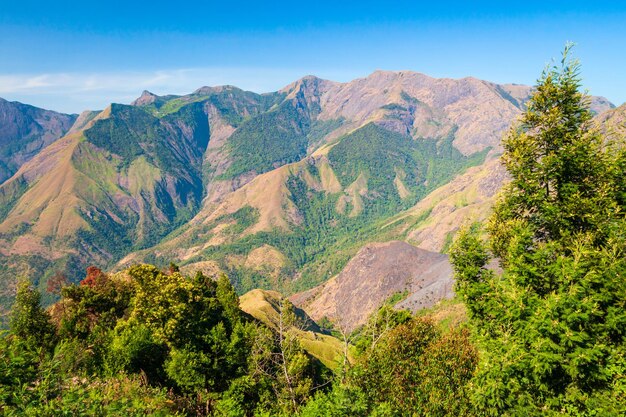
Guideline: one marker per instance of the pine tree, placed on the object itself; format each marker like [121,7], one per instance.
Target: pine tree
[228,298]
[552,326]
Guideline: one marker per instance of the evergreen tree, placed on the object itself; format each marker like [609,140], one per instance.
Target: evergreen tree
[552,326]
[228,298]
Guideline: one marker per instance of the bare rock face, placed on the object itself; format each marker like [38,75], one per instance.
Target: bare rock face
[411,103]
[144,99]
[377,272]
[480,111]
[600,104]
[83,120]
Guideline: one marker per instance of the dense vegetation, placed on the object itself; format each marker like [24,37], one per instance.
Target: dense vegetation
[131,132]
[152,342]
[384,157]
[162,159]
[552,326]
[269,140]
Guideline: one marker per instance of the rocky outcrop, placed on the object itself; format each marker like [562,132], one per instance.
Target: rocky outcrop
[145,99]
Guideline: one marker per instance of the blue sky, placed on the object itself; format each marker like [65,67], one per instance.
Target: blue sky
[70,56]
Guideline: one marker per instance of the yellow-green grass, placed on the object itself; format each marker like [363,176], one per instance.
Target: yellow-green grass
[264,306]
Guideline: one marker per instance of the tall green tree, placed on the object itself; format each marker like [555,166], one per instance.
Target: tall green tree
[552,325]
[194,321]
[29,321]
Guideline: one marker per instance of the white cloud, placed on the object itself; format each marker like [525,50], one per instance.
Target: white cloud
[77,82]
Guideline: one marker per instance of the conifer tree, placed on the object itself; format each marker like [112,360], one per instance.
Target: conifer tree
[552,325]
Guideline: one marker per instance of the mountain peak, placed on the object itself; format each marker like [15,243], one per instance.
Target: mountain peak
[145,98]
[600,104]
[391,75]
[205,90]
[310,85]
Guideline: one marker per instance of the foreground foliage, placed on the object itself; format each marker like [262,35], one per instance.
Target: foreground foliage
[144,342]
[148,342]
[547,332]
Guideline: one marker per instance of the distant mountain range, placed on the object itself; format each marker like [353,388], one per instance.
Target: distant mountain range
[278,190]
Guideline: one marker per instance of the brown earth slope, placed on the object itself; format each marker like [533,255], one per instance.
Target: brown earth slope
[376,273]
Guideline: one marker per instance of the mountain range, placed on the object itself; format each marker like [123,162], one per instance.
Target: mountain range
[361,183]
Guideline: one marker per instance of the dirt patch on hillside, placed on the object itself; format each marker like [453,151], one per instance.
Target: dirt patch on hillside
[377,272]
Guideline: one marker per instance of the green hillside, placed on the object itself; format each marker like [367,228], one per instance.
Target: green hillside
[330,226]
[122,184]
[269,140]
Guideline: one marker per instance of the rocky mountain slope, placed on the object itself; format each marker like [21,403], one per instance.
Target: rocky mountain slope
[613,122]
[279,190]
[376,273]
[24,131]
